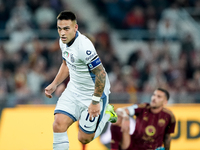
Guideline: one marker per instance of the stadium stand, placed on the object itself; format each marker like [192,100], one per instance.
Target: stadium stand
[142,45]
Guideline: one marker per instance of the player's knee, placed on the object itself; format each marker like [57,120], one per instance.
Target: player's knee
[59,126]
[85,140]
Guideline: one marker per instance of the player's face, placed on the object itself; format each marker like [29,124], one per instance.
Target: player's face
[67,30]
[158,99]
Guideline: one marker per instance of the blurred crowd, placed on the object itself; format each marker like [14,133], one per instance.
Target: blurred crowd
[137,14]
[159,16]
[28,62]
[177,70]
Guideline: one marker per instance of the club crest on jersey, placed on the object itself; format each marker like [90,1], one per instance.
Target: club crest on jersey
[88,52]
[161,122]
[66,54]
[72,58]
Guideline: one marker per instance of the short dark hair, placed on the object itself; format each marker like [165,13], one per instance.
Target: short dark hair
[165,91]
[66,15]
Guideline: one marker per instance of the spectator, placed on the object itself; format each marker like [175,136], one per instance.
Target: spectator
[45,16]
[187,45]
[4,15]
[167,29]
[135,18]
[36,77]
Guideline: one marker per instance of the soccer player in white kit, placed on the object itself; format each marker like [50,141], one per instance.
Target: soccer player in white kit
[86,95]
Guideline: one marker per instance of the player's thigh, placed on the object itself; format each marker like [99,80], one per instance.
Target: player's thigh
[61,122]
[67,104]
[85,136]
[66,111]
[88,127]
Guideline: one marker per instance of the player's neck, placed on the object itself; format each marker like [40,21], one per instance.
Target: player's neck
[71,42]
[156,110]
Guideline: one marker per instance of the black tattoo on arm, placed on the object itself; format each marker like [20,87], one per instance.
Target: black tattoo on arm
[100,80]
[94,102]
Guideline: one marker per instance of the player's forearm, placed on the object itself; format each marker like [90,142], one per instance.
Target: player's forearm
[126,139]
[127,112]
[167,141]
[100,81]
[62,74]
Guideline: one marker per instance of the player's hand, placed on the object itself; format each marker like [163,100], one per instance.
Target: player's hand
[125,126]
[121,112]
[49,90]
[94,110]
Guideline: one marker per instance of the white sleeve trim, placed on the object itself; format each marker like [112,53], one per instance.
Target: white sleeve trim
[131,109]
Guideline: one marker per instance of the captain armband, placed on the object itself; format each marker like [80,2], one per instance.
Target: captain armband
[94,63]
[131,109]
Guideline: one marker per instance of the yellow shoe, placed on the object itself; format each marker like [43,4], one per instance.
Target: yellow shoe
[111,112]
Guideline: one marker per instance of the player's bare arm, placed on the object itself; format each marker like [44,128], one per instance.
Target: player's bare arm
[167,140]
[125,128]
[124,112]
[94,108]
[126,140]
[99,80]
[62,74]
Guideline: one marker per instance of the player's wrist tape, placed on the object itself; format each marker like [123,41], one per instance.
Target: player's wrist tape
[131,109]
[96,98]
[124,114]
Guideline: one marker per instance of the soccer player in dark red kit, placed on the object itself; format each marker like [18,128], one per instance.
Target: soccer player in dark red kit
[118,137]
[154,124]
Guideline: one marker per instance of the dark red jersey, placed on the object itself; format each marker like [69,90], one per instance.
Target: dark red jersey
[151,128]
[116,135]
[116,138]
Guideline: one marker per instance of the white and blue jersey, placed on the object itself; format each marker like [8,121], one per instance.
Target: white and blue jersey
[81,57]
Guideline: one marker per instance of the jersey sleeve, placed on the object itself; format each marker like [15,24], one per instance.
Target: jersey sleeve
[140,108]
[89,55]
[171,126]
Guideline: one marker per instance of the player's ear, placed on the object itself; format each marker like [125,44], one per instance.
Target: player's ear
[76,27]
[165,102]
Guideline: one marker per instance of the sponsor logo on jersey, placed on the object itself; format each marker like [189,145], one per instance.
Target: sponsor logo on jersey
[91,56]
[150,130]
